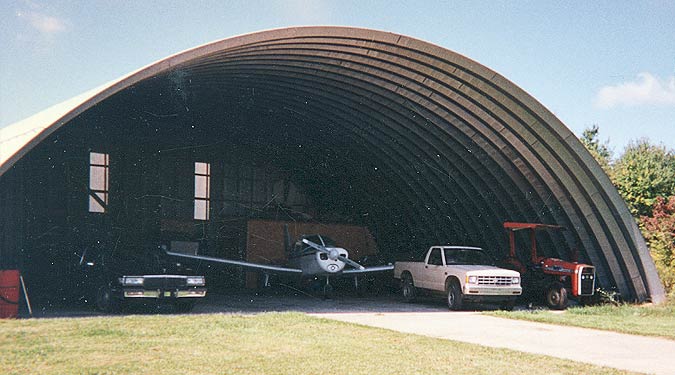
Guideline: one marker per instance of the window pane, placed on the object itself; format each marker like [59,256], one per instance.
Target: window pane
[94,206]
[202,168]
[201,187]
[97,158]
[435,257]
[98,178]
[103,197]
[201,209]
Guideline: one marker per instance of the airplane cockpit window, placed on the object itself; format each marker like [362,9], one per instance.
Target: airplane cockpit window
[323,256]
[435,257]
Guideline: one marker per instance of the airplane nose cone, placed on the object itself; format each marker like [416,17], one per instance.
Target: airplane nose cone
[333,254]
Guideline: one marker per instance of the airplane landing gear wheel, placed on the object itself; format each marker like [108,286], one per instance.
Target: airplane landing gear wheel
[556,297]
[328,291]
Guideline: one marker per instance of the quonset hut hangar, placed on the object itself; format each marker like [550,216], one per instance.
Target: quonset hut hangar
[328,124]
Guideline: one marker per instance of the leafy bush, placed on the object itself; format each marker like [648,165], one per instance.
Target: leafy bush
[642,174]
[659,232]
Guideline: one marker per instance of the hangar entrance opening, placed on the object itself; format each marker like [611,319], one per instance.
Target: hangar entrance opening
[405,142]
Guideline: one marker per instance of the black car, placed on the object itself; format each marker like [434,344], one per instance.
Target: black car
[115,276]
[132,274]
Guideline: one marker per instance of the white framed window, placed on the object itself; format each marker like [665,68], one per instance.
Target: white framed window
[202,190]
[99,182]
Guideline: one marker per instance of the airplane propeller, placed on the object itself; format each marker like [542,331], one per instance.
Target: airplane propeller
[333,254]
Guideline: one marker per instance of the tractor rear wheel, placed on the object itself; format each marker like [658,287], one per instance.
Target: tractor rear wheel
[556,297]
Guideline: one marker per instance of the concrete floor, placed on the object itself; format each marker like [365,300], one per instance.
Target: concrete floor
[268,300]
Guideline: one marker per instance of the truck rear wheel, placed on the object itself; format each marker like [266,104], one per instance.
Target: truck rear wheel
[455,296]
[408,289]
[556,297]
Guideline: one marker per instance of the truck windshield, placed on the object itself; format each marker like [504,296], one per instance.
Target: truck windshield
[467,256]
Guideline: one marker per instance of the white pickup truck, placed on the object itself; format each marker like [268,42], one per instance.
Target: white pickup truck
[462,274]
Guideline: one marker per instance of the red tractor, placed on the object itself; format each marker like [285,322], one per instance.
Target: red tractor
[551,278]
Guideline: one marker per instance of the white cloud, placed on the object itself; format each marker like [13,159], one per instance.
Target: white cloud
[46,25]
[646,89]
[307,11]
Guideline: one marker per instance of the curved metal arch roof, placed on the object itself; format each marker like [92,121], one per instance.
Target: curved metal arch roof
[460,148]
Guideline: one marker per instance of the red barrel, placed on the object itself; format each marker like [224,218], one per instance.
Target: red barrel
[9,293]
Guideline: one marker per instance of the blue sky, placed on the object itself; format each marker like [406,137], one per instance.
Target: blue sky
[610,63]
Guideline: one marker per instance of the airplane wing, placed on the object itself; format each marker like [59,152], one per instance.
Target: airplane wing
[388,267]
[253,266]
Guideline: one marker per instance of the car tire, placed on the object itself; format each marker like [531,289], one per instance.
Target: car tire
[184,306]
[105,301]
[556,297]
[408,290]
[455,296]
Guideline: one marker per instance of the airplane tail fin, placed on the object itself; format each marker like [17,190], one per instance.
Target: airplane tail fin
[287,239]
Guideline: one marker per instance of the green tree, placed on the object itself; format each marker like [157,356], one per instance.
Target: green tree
[643,173]
[659,232]
[599,150]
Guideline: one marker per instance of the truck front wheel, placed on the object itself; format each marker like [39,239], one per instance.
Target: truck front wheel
[556,297]
[408,289]
[455,296]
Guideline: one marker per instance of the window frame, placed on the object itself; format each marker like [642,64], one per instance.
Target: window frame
[431,255]
[202,200]
[99,199]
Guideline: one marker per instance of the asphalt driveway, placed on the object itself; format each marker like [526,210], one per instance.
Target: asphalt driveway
[621,351]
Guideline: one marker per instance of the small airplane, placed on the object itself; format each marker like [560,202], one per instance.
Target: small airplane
[312,256]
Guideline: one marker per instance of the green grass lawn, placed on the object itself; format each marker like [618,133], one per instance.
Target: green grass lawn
[274,343]
[646,320]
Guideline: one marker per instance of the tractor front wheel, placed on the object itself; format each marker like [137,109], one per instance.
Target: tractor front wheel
[556,297]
